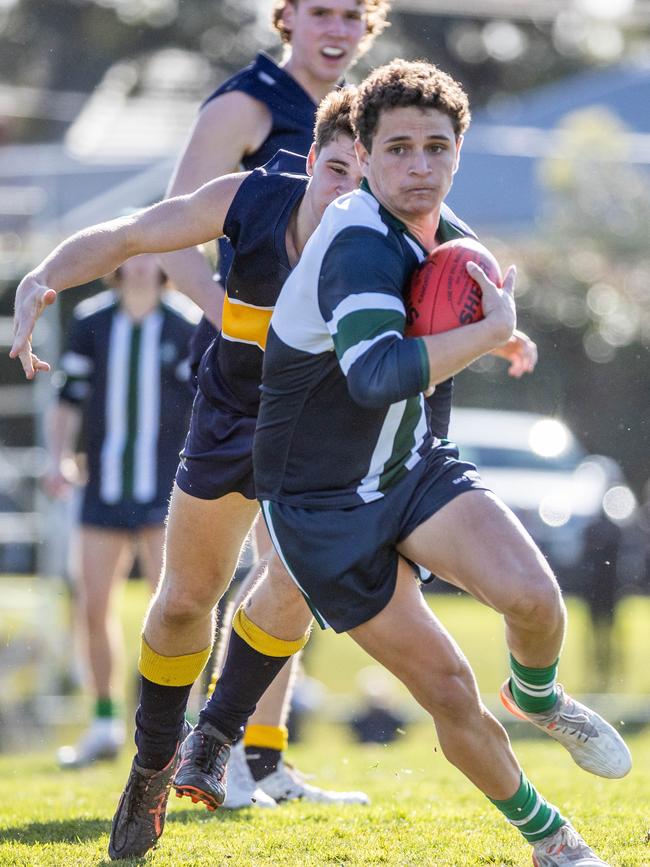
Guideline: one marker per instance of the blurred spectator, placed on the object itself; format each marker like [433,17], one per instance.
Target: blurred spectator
[378,720]
[603,540]
[125,375]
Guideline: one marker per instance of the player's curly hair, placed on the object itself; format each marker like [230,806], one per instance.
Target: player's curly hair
[376,20]
[404,83]
[333,117]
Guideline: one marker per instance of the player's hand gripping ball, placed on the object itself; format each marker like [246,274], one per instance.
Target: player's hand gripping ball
[442,295]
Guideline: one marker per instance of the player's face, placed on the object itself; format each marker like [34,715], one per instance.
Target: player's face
[325,35]
[334,172]
[413,159]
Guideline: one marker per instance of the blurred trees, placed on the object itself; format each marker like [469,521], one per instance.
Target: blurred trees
[584,294]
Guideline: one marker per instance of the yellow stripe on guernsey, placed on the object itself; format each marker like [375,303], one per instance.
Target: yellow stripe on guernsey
[245,323]
[266,737]
[171,670]
[261,641]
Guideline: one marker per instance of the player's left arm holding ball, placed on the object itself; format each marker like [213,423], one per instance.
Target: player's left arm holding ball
[173,224]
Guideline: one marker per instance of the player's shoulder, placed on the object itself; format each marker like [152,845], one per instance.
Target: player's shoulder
[180,307]
[259,78]
[356,211]
[96,305]
[358,222]
[285,162]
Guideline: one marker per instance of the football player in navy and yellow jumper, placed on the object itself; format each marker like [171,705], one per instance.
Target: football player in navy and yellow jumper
[263,108]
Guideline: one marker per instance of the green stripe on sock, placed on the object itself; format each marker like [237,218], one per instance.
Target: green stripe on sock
[546,818]
[536,679]
[106,708]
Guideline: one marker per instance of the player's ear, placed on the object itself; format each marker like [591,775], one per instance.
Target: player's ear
[288,16]
[363,157]
[459,144]
[311,159]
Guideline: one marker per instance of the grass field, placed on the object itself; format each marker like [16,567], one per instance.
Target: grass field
[423,811]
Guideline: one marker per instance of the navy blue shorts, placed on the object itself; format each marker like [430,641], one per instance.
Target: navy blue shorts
[217,458]
[125,515]
[345,560]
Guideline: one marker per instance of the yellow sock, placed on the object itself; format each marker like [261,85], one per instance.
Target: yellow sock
[171,670]
[266,737]
[263,641]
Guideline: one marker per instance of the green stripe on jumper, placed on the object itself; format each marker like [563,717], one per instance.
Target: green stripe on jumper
[394,468]
[364,325]
[128,460]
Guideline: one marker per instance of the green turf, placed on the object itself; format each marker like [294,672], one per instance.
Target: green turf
[423,812]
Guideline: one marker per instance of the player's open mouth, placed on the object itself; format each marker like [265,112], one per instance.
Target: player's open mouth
[332,53]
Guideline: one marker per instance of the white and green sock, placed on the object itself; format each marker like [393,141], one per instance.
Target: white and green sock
[533,688]
[531,815]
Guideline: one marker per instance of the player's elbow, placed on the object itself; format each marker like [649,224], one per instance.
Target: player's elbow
[368,392]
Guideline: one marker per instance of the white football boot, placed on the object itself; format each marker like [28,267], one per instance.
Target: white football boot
[103,740]
[241,789]
[288,784]
[565,848]
[592,742]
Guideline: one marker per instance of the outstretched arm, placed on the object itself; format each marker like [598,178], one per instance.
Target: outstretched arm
[170,225]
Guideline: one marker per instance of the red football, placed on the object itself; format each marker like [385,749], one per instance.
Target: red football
[442,295]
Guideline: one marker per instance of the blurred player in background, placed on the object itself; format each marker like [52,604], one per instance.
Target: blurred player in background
[258,111]
[126,377]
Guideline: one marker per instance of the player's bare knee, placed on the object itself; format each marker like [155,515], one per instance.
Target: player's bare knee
[539,602]
[453,697]
[179,604]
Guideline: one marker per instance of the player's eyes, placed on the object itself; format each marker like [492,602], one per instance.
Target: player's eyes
[397,150]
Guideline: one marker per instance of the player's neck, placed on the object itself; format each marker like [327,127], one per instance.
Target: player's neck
[315,87]
[301,227]
[425,229]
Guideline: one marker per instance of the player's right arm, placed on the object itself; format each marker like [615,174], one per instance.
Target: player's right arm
[226,129]
[361,300]
[91,253]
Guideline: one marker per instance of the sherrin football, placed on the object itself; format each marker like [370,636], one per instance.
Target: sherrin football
[442,295]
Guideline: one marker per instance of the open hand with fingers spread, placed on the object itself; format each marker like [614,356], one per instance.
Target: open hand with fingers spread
[498,302]
[32,297]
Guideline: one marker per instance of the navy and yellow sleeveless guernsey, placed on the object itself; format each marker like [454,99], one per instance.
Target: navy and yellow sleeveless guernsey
[345,461]
[293,113]
[132,380]
[217,456]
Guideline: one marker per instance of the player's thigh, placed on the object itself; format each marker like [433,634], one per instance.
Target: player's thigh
[475,542]
[106,555]
[410,642]
[150,549]
[204,539]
